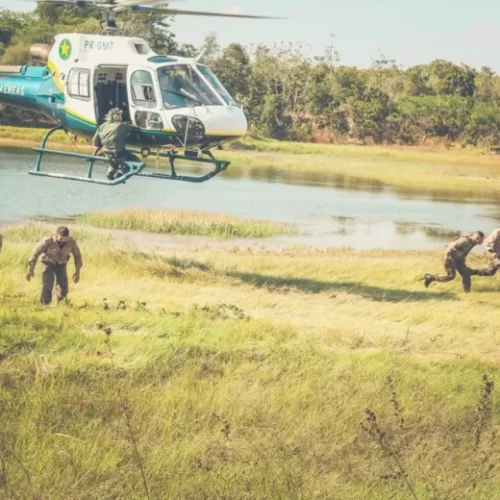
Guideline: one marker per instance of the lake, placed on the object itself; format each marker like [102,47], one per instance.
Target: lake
[331,211]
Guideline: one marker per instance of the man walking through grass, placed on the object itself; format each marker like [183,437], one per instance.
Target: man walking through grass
[454,260]
[55,253]
[492,244]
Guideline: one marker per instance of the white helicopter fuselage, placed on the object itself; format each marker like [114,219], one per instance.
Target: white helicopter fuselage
[168,100]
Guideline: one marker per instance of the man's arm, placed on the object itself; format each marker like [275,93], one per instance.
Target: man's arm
[96,142]
[77,255]
[39,249]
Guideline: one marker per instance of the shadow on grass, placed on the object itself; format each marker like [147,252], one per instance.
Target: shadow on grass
[306,285]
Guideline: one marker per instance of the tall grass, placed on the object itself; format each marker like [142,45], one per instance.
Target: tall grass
[247,375]
[185,223]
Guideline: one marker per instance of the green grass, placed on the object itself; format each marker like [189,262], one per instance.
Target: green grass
[185,222]
[19,136]
[454,173]
[245,375]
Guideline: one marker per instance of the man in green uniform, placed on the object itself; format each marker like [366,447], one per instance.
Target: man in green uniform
[112,136]
[55,252]
[454,260]
[492,244]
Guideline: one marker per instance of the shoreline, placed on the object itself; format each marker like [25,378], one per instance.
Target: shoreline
[454,173]
[268,145]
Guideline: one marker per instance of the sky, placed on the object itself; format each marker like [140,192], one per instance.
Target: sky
[410,32]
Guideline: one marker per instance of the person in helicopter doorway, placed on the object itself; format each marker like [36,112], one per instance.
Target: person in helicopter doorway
[112,136]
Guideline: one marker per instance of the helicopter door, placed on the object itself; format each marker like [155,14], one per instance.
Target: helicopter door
[144,103]
[110,91]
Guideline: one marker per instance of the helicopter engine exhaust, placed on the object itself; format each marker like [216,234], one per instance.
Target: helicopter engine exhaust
[40,51]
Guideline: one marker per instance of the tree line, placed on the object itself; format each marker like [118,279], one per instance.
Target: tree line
[289,95]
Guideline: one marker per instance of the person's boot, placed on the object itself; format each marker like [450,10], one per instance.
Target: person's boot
[428,279]
[122,170]
[110,174]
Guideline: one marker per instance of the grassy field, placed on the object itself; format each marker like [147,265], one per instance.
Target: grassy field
[454,173]
[213,374]
[185,222]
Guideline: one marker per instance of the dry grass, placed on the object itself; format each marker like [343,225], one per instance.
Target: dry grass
[185,222]
[247,375]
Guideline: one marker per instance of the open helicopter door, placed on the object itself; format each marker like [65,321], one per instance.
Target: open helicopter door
[110,88]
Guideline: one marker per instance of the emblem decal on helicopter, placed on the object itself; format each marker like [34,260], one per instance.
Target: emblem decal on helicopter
[65,49]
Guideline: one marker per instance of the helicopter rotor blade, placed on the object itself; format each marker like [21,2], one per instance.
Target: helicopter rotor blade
[89,3]
[116,6]
[178,12]
[56,2]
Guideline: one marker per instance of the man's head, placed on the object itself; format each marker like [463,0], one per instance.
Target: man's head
[62,234]
[114,115]
[478,237]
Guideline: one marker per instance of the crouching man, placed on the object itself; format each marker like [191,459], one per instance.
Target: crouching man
[454,259]
[112,137]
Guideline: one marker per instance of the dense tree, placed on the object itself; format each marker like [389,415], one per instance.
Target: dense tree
[233,67]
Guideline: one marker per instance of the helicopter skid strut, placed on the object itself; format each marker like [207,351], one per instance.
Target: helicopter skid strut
[135,168]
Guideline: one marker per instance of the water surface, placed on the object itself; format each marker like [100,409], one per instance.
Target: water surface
[330,210]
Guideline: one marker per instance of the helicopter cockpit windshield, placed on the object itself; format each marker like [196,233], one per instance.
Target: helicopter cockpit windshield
[216,84]
[182,86]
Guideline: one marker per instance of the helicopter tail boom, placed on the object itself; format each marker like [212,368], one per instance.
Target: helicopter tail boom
[19,86]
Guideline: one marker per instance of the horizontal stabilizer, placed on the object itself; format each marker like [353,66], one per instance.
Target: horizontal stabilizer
[11,69]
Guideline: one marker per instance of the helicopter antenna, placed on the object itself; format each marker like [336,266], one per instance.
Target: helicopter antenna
[199,56]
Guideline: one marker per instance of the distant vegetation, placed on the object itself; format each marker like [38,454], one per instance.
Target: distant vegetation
[185,222]
[290,96]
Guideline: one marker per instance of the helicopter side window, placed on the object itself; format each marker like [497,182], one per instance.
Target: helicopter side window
[78,83]
[142,89]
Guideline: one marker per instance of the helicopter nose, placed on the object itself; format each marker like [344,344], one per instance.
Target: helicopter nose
[224,121]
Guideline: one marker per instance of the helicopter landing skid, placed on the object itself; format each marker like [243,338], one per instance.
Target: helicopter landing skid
[220,166]
[134,167]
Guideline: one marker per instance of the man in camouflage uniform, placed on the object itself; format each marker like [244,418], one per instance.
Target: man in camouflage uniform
[492,244]
[454,260]
[55,252]
[112,136]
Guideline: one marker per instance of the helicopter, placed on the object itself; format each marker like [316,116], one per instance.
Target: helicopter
[175,105]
